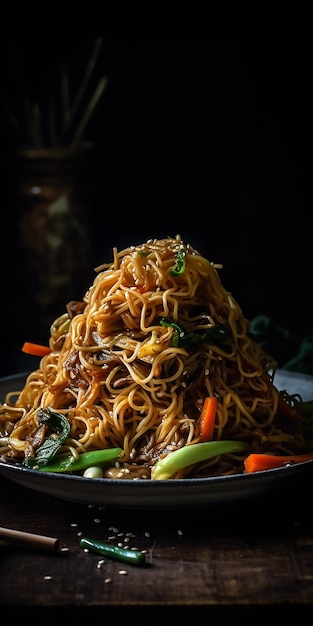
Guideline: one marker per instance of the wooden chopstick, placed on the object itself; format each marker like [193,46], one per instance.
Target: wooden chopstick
[32,540]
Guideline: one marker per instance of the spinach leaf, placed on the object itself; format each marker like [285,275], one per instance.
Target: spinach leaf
[61,427]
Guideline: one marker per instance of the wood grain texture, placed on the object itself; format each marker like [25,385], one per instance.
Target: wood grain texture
[255,556]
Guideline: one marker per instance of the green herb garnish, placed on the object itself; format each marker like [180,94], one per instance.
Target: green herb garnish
[182,339]
[179,266]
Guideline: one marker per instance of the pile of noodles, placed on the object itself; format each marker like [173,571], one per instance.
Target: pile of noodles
[116,373]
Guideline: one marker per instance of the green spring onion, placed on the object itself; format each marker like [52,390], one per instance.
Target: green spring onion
[179,267]
[85,459]
[134,557]
[189,455]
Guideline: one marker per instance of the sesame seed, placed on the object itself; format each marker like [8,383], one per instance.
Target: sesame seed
[107,580]
[122,572]
[47,577]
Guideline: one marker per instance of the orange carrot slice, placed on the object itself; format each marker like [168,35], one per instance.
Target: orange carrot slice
[35,349]
[207,418]
[259,462]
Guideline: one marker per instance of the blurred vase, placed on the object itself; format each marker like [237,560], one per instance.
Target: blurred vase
[54,205]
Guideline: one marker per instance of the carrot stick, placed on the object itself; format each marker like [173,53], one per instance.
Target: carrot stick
[35,349]
[258,462]
[207,418]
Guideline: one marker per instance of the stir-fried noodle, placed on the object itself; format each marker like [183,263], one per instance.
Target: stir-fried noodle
[131,364]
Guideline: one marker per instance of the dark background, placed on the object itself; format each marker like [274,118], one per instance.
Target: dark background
[208,138]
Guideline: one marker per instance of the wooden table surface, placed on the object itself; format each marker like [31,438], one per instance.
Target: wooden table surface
[213,565]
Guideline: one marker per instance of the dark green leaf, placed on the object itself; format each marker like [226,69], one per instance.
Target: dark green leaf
[181,339]
[61,427]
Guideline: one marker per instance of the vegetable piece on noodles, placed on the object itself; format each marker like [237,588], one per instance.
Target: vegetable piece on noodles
[207,418]
[259,462]
[182,339]
[61,427]
[179,266]
[85,460]
[35,349]
[189,455]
